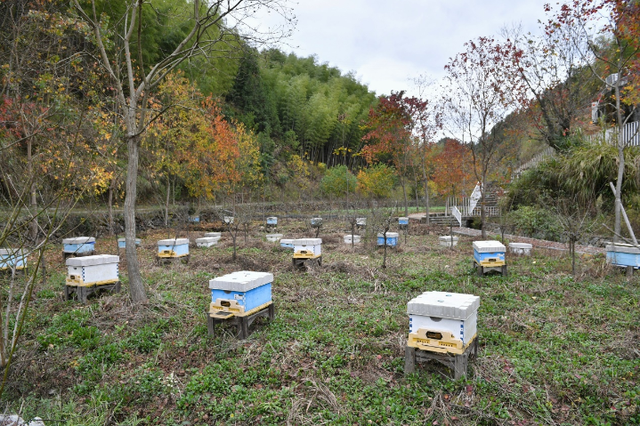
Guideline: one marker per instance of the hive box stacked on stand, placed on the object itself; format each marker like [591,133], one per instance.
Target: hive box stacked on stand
[307,249]
[90,273]
[624,255]
[446,241]
[79,246]
[272,221]
[351,239]
[444,326]
[286,243]
[11,258]
[392,239]
[274,238]
[361,222]
[207,241]
[489,256]
[173,248]
[122,243]
[243,296]
[403,222]
[520,248]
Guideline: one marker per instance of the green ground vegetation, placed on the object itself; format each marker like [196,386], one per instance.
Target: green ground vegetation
[554,349]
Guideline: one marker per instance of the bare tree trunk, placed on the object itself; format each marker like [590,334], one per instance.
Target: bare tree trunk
[136,286]
[404,193]
[34,200]
[166,202]
[621,143]
[110,203]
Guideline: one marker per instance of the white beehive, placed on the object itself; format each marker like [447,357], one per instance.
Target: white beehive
[307,247]
[92,270]
[274,238]
[520,248]
[490,253]
[79,245]
[207,241]
[349,239]
[442,321]
[445,241]
[173,247]
[316,222]
[228,220]
[361,222]
[240,292]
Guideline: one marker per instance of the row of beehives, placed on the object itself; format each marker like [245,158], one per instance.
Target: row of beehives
[439,322]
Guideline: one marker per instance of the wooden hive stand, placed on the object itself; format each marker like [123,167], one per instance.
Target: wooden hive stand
[456,362]
[83,291]
[242,322]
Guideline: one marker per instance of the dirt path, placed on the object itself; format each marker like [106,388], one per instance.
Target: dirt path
[553,245]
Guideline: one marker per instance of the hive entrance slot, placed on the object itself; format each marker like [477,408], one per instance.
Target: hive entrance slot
[225,303]
[434,335]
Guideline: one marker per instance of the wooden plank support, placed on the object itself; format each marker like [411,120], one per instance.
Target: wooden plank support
[83,292]
[242,323]
[456,362]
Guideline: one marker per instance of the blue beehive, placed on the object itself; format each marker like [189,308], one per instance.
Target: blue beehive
[623,255]
[241,293]
[194,219]
[272,221]
[122,243]
[403,221]
[286,243]
[12,257]
[173,247]
[79,245]
[392,239]
[489,253]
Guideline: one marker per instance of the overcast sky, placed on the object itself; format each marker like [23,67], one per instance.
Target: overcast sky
[388,43]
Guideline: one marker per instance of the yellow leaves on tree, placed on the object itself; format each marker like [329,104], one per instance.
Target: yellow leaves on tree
[376,181]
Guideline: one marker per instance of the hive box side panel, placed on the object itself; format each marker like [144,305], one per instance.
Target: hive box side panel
[461,329]
[623,259]
[488,257]
[249,299]
[175,250]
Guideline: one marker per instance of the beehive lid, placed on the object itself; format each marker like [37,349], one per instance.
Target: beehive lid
[272,218]
[122,240]
[623,248]
[213,234]
[520,245]
[207,240]
[447,238]
[241,281]
[403,219]
[79,240]
[98,259]
[444,305]
[307,242]
[12,251]
[274,235]
[490,246]
[173,242]
[389,235]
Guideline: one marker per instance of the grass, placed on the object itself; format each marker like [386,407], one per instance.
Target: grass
[553,349]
